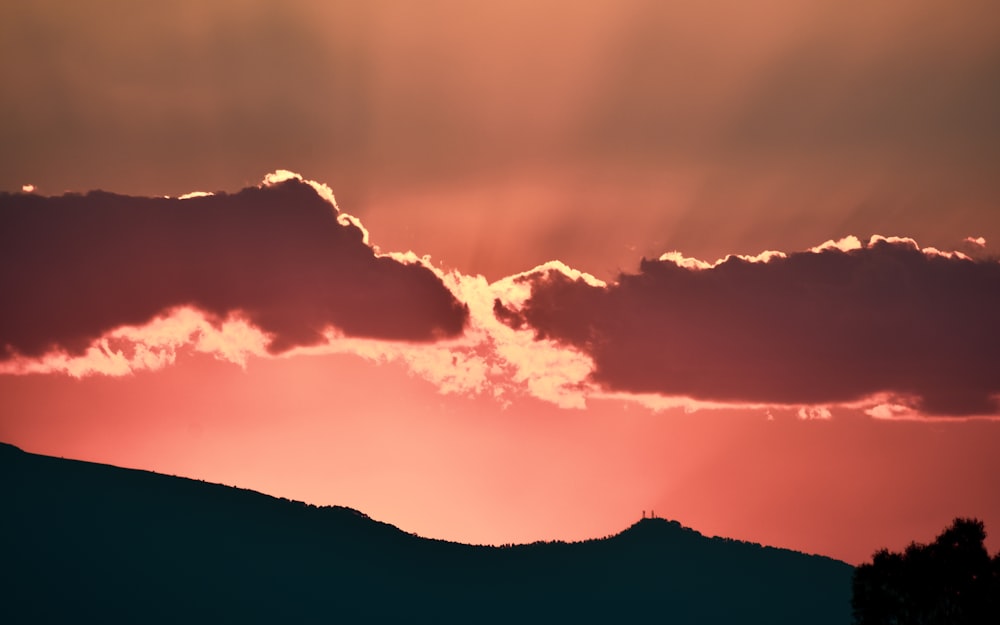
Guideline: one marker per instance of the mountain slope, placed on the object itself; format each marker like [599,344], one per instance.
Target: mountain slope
[83,542]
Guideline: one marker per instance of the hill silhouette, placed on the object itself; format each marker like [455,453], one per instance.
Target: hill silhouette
[90,543]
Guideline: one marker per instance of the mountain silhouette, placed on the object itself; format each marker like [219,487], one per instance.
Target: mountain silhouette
[91,543]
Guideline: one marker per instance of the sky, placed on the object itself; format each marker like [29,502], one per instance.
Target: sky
[503,272]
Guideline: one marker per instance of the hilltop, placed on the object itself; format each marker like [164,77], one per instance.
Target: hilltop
[85,542]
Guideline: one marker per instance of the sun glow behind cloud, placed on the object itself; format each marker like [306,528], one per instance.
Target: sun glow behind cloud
[490,358]
[152,346]
[498,354]
[487,358]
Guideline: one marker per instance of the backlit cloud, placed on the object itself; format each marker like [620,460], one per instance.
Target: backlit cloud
[900,329]
[275,270]
[490,358]
[110,285]
[75,269]
[154,345]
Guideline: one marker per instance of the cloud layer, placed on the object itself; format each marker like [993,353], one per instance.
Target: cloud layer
[280,256]
[110,284]
[834,325]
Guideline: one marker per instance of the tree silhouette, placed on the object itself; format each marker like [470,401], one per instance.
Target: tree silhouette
[951,581]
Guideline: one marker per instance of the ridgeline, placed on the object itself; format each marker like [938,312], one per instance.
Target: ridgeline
[90,543]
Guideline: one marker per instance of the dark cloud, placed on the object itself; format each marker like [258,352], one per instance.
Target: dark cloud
[812,328]
[76,266]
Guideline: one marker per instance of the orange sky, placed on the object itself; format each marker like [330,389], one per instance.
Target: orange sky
[495,137]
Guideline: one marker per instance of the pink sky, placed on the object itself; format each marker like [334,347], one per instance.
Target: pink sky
[338,430]
[517,319]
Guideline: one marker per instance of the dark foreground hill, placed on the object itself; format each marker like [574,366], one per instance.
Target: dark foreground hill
[91,543]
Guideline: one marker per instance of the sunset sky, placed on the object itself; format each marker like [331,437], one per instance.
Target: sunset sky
[508,271]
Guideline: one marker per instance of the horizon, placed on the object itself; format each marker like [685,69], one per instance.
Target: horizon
[645,518]
[530,269]
[222,551]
